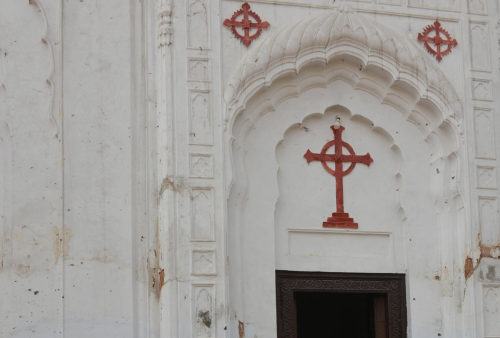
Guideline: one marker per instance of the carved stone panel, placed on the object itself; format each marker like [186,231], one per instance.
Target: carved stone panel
[498,38]
[203,262]
[481,90]
[202,214]
[199,70]
[488,220]
[478,7]
[485,135]
[203,298]
[288,282]
[491,310]
[480,46]
[201,165]
[200,117]
[486,177]
[198,24]
[390,2]
[450,5]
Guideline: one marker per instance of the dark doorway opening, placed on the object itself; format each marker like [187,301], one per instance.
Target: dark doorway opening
[332,315]
[340,305]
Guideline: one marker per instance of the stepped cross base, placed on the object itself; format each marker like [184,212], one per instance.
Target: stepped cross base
[340,220]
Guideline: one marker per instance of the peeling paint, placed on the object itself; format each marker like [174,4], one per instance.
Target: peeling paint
[490,251]
[486,251]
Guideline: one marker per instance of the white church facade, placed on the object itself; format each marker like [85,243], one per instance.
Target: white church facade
[259,169]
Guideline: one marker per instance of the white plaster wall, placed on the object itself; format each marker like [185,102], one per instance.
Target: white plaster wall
[101,198]
[31,169]
[71,238]
[98,267]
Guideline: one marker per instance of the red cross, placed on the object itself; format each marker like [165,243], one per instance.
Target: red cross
[339,219]
[437,40]
[246,24]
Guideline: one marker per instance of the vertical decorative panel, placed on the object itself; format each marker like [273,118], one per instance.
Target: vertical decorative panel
[491,310]
[488,220]
[390,2]
[201,166]
[480,46]
[450,5]
[202,214]
[498,38]
[486,177]
[203,262]
[200,117]
[203,298]
[478,6]
[484,130]
[198,24]
[481,90]
[199,70]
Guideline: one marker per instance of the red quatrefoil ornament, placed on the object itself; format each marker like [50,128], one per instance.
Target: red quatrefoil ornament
[437,40]
[246,24]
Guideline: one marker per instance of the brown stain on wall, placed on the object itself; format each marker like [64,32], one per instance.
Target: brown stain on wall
[241,329]
[104,256]
[156,273]
[54,234]
[490,251]
[154,286]
[162,278]
[468,268]
[67,234]
[157,279]
[487,251]
[61,243]
[176,186]
[166,184]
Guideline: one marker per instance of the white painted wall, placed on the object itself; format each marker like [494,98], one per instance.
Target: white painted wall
[139,201]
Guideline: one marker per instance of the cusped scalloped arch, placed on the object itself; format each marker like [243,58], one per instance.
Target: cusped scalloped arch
[329,35]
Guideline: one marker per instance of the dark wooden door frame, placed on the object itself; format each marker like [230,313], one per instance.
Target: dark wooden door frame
[288,282]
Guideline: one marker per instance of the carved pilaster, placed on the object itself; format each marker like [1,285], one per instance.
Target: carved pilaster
[166,172]
[165,29]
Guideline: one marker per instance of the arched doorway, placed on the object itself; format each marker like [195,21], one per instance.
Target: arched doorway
[282,101]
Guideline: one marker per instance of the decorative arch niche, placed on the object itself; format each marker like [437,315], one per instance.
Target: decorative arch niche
[388,94]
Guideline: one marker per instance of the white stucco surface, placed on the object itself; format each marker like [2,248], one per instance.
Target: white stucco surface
[152,177]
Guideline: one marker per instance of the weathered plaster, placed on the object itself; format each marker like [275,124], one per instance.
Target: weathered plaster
[147,161]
